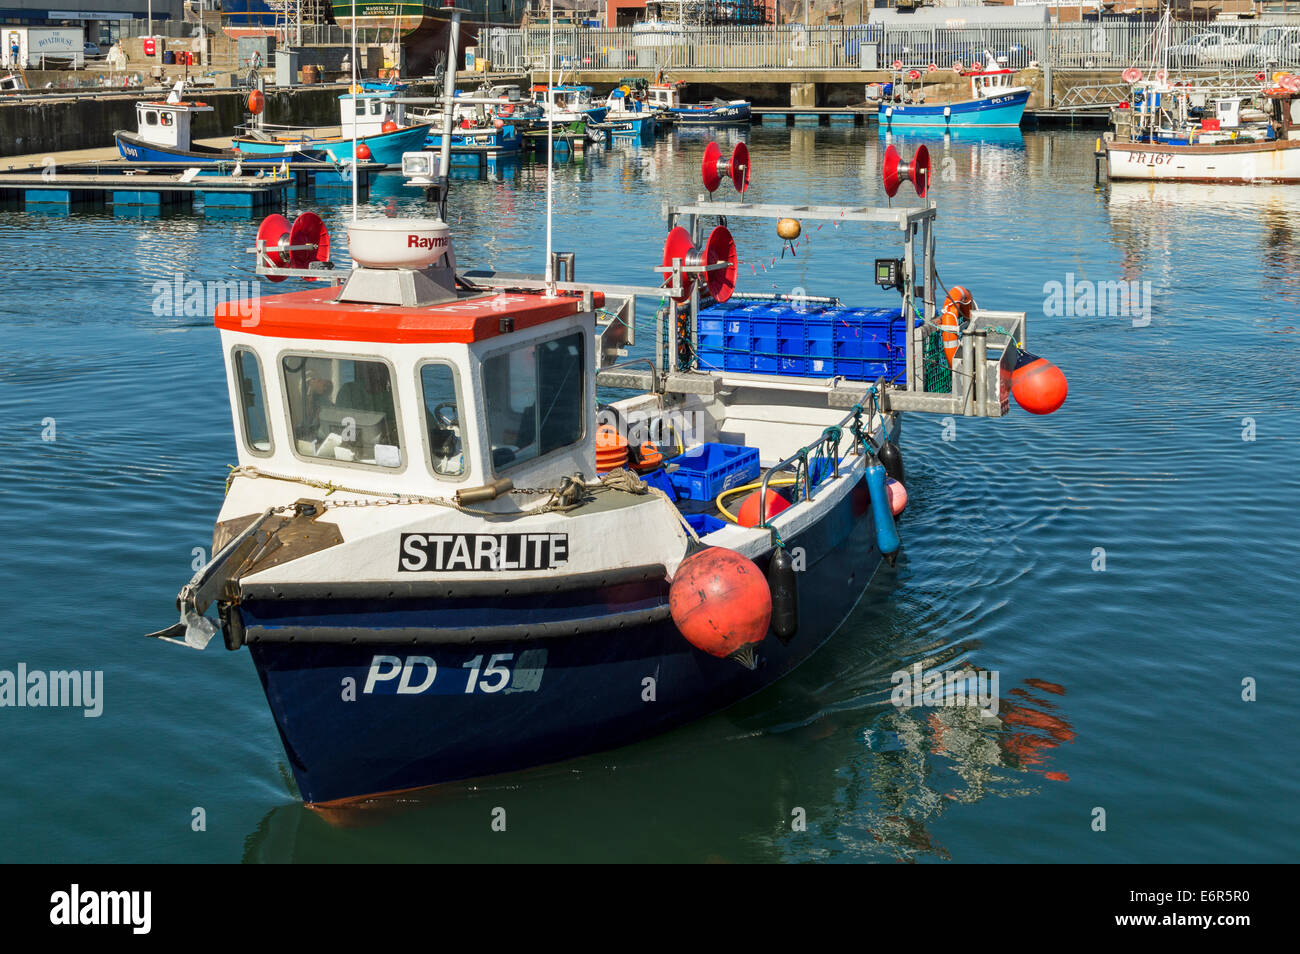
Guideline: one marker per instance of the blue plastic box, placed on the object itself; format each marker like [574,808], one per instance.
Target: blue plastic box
[705,471]
[704,524]
[802,339]
[659,478]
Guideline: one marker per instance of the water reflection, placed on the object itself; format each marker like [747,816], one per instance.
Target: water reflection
[1152,222]
[1010,136]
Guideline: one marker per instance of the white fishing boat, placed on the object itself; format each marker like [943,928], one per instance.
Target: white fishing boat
[448,560]
[1182,134]
[1186,130]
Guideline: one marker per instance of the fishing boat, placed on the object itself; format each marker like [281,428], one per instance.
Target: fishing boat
[665,98]
[627,117]
[1195,133]
[470,142]
[163,135]
[1203,130]
[370,118]
[447,560]
[995,100]
[565,103]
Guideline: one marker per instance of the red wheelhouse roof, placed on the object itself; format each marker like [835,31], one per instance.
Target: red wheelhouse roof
[315,315]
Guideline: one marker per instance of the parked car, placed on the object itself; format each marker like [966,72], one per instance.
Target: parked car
[1188,53]
[1278,46]
[93,53]
[1224,50]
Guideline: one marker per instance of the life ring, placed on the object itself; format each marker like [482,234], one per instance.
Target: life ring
[956,309]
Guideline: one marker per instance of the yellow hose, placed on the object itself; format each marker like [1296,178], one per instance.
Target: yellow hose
[681,448]
[777,482]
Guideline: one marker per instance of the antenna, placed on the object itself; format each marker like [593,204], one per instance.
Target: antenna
[448,112]
[550,149]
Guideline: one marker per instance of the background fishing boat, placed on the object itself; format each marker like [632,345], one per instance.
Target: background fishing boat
[1202,133]
[665,98]
[995,101]
[163,135]
[369,118]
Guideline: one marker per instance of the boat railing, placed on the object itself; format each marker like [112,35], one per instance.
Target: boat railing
[825,448]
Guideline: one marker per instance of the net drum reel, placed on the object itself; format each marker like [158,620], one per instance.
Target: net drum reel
[713,168]
[718,262]
[289,250]
[893,171]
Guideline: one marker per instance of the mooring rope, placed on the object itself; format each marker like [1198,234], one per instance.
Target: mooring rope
[568,496]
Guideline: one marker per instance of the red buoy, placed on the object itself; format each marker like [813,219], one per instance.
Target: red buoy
[363,152]
[897,496]
[747,515]
[1038,385]
[256,102]
[721,603]
[389,126]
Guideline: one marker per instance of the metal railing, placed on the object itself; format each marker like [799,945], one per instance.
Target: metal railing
[313,34]
[1105,45]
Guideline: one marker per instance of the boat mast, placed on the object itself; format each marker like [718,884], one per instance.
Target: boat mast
[354,91]
[550,151]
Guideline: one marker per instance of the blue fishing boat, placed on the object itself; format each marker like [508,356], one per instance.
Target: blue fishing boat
[628,117]
[368,117]
[666,100]
[163,135]
[470,143]
[995,102]
[427,590]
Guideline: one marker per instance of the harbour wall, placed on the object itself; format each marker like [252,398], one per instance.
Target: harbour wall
[828,88]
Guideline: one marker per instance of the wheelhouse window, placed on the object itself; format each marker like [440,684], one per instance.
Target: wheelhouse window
[442,420]
[342,409]
[150,118]
[534,399]
[252,402]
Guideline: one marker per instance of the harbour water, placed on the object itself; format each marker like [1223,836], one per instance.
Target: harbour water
[1123,565]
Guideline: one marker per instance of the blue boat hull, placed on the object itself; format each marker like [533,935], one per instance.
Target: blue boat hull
[710,115]
[641,128]
[134,149]
[492,143]
[551,698]
[385,148]
[997,111]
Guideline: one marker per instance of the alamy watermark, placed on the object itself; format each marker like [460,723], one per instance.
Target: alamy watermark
[936,688]
[78,906]
[655,426]
[57,689]
[1075,298]
[194,299]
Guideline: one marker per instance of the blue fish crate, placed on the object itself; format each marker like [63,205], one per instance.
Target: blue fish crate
[705,471]
[802,339]
[703,524]
[659,478]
